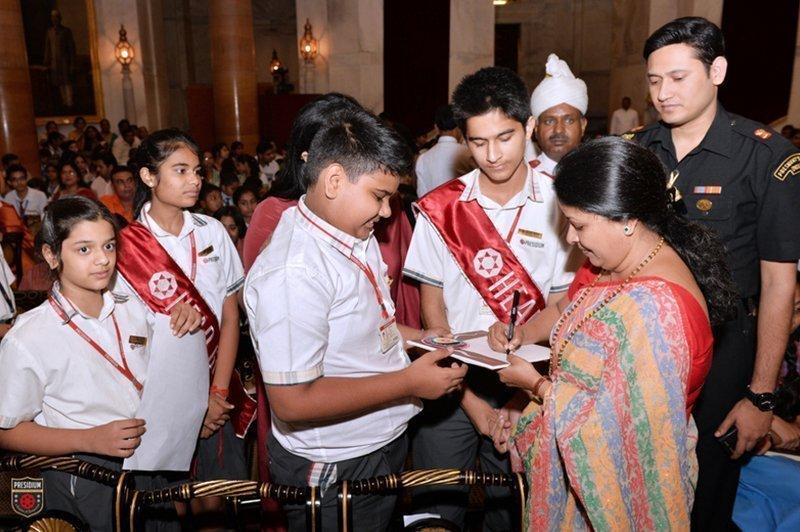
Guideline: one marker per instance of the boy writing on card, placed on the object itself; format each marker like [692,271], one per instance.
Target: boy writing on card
[340,384]
[480,238]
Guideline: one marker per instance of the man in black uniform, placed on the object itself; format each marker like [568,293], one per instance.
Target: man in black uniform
[742,180]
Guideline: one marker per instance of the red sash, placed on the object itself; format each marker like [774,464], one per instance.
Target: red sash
[481,253]
[161,284]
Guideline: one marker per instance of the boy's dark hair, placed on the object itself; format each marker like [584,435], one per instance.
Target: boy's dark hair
[265,145]
[241,191]
[122,168]
[702,35]
[206,189]
[106,156]
[9,158]
[488,89]
[14,168]
[216,149]
[361,143]
[228,178]
[234,213]
[444,118]
[236,144]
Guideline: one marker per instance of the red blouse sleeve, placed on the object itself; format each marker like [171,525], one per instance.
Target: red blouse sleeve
[699,340]
[584,276]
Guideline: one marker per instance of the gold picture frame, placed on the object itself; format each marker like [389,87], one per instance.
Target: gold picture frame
[63,63]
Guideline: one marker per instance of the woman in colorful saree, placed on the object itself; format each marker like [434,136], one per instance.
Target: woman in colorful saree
[607,439]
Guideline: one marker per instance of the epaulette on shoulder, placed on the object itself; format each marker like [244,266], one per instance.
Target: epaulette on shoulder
[630,135]
[119,298]
[198,220]
[756,131]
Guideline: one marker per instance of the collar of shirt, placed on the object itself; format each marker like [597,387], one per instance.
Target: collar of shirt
[547,164]
[472,191]
[144,218]
[71,310]
[447,139]
[717,139]
[346,244]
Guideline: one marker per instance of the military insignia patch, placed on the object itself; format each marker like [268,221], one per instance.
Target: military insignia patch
[789,167]
[27,496]
[762,133]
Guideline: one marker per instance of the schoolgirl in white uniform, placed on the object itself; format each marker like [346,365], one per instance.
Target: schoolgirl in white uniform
[72,370]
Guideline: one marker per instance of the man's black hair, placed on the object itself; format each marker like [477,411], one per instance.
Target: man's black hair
[265,145]
[444,118]
[122,168]
[228,178]
[106,156]
[361,143]
[14,168]
[488,89]
[704,36]
[9,158]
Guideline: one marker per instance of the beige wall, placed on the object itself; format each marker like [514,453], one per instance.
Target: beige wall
[471,38]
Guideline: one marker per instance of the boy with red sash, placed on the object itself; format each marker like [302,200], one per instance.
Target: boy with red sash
[479,239]
[341,387]
[170,255]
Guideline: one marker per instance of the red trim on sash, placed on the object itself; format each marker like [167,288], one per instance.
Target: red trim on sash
[481,253]
[142,262]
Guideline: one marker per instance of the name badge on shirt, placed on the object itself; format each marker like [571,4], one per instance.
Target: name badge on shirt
[206,251]
[137,341]
[390,335]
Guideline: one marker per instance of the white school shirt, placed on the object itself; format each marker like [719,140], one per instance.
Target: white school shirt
[33,205]
[219,268]
[7,307]
[546,165]
[314,313]
[50,375]
[446,160]
[623,121]
[101,187]
[538,242]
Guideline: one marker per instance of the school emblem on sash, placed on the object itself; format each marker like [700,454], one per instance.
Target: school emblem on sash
[487,263]
[27,496]
[163,285]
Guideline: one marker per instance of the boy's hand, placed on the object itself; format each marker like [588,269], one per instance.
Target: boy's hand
[428,380]
[184,318]
[117,438]
[498,340]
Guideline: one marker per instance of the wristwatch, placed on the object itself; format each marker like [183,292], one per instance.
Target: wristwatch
[763,401]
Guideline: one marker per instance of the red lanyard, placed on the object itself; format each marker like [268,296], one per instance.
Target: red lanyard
[361,266]
[123,369]
[516,222]
[193,251]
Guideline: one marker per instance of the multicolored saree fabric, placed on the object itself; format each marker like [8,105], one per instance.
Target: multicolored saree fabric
[612,445]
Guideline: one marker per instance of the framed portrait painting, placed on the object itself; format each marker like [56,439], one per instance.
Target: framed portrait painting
[61,41]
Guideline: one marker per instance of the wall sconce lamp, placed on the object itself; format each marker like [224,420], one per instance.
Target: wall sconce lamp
[308,44]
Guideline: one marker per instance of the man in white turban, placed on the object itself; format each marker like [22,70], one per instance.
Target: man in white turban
[559,106]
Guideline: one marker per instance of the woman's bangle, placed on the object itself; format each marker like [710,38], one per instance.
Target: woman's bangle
[222,392]
[538,385]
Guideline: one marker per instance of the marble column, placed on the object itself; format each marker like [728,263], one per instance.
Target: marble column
[471,38]
[17,125]
[233,63]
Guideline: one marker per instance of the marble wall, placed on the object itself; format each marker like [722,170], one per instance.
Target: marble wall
[471,38]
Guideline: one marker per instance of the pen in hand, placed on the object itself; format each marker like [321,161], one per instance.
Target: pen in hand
[512,321]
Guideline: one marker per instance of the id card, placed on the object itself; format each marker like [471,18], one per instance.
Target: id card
[390,335]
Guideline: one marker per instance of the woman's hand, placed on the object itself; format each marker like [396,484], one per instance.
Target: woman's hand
[520,373]
[118,438]
[184,318]
[217,415]
[498,340]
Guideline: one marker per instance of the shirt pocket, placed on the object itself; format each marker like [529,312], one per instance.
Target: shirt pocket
[709,207]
